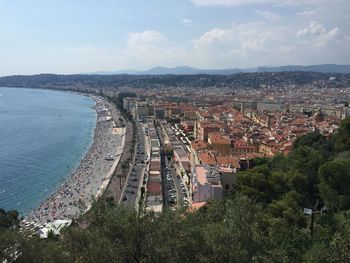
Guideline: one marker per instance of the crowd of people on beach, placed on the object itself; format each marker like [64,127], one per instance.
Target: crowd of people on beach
[79,191]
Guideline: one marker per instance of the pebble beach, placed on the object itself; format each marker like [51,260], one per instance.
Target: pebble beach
[89,181]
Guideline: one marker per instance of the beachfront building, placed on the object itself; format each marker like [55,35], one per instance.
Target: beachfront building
[228,177]
[206,184]
[182,162]
[154,189]
[144,110]
[155,148]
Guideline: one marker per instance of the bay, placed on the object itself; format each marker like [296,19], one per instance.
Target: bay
[43,136]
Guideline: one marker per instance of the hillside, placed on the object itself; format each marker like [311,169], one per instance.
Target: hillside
[240,80]
[186,70]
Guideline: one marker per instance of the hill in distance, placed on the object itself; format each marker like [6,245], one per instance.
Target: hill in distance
[186,70]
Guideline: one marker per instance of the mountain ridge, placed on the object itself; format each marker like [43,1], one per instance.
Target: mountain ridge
[187,70]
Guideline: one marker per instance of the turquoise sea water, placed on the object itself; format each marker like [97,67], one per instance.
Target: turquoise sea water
[43,136]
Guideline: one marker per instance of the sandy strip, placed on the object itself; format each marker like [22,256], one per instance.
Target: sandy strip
[90,180]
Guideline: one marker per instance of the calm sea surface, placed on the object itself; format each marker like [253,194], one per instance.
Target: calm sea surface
[43,136]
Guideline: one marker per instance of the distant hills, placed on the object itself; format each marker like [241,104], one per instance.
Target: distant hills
[185,70]
[325,68]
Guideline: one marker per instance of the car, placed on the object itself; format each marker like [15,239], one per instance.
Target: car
[134,180]
[129,184]
[125,198]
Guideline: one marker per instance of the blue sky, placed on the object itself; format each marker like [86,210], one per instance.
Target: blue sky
[61,36]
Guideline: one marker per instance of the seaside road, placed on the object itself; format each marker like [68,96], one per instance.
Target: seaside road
[117,182]
[133,183]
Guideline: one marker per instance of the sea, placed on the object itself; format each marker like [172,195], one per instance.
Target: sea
[44,135]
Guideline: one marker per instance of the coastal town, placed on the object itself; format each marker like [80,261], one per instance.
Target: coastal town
[180,146]
[189,131]
[198,145]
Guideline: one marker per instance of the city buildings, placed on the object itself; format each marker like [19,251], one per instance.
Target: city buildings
[213,135]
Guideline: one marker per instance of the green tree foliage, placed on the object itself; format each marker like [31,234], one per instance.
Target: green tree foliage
[335,184]
[334,249]
[313,139]
[258,161]
[8,218]
[342,137]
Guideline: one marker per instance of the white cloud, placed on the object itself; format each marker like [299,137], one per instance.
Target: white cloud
[268,15]
[238,45]
[213,35]
[241,39]
[228,2]
[147,37]
[314,28]
[256,44]
[249,2]
[318,33]
[308,12]
[187,22]
[149,49]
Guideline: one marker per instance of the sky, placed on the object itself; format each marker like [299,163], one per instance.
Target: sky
[79,36]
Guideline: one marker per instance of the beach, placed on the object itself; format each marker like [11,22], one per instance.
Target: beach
[92,177]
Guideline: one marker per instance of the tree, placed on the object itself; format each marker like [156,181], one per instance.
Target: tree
[335,184]
[313,139]
[8,219]
[306,161]
[333,250]
[258,161]
[342,136]
[288,209]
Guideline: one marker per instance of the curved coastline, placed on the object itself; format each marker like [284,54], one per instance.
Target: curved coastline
[89,180]
[45,139]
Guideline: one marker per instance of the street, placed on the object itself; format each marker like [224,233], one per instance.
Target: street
[134,179]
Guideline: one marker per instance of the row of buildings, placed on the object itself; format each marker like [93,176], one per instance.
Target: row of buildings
[213,136]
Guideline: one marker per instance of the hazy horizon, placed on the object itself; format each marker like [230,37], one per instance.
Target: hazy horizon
[87,36]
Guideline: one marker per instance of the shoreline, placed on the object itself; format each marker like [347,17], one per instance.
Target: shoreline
[91,178]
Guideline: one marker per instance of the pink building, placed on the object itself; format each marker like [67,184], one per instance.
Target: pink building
[206,184]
